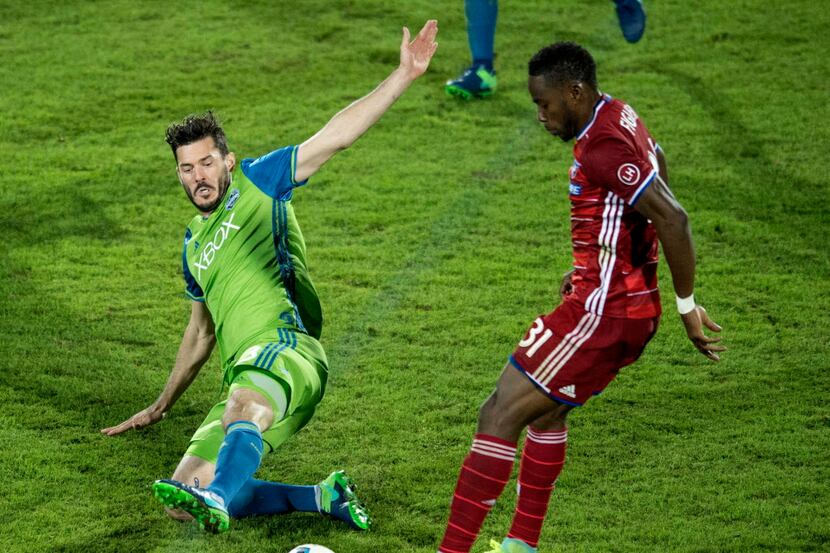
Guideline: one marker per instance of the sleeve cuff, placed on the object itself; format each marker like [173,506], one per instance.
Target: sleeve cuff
[642,188]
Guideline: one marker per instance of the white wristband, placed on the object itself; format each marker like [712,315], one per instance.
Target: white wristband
[686,305]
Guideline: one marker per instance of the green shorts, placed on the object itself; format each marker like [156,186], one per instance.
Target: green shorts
[293,362]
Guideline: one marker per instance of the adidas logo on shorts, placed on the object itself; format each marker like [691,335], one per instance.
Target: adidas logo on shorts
[569,390]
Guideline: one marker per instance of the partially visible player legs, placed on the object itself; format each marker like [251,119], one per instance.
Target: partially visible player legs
[632,19]
[334,496]
[514,404]
[543,457]
[246,413]
[191,469]
[478,80]
[214,480]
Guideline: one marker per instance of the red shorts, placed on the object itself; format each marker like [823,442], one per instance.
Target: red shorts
[571,354]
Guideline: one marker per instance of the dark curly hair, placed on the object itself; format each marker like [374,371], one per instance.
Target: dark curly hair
[196,127]
[564,62]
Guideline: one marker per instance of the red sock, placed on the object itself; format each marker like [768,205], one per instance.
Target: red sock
[483,475]
[542,460]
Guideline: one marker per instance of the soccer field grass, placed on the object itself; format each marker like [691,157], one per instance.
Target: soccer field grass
[433,242]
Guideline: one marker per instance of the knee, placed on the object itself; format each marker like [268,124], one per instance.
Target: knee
[248,405]
[499,418]
[488,411]
[555,420]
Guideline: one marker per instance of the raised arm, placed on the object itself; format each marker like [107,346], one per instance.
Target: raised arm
[349,124]
[194,351]
[672,226]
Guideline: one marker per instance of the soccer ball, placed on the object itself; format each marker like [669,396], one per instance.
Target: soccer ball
[311,548]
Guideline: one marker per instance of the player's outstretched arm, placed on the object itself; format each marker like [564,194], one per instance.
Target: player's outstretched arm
[349,124]
[672,225]
[197,343]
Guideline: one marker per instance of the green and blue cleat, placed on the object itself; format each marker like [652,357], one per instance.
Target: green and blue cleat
[206,508]
[476,82]
[338,500]
[510,545]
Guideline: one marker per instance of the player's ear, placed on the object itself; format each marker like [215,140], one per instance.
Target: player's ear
[230,161]
[576,90]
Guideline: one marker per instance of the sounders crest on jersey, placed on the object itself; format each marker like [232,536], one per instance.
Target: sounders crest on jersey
[311,548]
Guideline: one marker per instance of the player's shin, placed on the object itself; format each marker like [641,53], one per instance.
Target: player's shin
[481,30]
[542,459]
[238,459]
[484,474]
[260,497]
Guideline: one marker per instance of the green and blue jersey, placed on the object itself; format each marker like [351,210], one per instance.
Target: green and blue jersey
[247,260]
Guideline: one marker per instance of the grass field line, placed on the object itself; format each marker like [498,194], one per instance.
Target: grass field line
[446,230]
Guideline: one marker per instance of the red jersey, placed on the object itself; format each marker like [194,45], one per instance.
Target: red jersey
[615,247]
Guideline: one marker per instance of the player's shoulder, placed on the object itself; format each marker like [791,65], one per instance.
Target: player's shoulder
[280,156]
[616,119]
[616,125]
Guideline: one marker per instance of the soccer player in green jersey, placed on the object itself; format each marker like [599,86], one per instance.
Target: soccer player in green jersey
[245,271]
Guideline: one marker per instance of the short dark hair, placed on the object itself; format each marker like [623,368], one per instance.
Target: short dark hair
[563,62]
[196,127]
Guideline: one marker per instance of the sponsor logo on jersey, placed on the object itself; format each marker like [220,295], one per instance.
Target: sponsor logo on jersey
[628,119]
[629,174]
[569,391]
[576,189]
[232,199]
[219,237]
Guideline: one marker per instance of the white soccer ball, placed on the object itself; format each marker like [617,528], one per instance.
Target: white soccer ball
[311,548]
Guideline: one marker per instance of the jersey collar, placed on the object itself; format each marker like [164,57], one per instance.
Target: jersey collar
[603,99]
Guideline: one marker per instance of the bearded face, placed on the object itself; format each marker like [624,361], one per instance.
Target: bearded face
[204,173]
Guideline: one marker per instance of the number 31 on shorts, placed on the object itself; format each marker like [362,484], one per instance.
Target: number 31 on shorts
[534,338]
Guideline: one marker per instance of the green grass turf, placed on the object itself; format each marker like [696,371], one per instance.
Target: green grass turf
[434,242]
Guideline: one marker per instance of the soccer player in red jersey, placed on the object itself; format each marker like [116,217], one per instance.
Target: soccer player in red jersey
[620,206]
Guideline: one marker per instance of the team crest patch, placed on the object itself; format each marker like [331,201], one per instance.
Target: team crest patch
[232,199]
[195,245]
[575,189]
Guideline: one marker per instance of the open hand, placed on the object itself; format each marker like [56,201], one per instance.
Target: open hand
[415,55]
[694,321]
[146,417]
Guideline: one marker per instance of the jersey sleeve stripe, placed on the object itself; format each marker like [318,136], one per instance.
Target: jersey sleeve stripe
[192,297]
[293,169]
[642,188]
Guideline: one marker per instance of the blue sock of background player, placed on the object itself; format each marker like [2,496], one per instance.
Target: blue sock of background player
[481,30]
[479,80]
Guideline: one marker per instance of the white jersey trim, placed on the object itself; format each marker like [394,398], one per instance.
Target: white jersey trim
[608,236]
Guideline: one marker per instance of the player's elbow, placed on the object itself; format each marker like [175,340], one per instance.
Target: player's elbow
[679,216]
[672,222]
[672,215]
